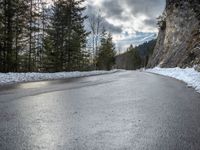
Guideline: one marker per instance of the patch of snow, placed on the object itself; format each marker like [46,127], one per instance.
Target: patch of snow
[10,78]
[187,75]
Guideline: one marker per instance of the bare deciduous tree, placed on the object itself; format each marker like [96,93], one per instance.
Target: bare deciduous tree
[96,26]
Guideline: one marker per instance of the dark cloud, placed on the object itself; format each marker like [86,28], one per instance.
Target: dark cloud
[116,10]
[92,12]
[112,8]
[112,28]
[151,8]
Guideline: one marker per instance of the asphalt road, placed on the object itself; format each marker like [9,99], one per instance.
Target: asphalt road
[120,111]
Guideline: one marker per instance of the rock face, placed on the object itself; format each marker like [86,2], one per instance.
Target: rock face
[178,42]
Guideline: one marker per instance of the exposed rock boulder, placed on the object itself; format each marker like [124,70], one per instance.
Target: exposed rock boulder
[178,41]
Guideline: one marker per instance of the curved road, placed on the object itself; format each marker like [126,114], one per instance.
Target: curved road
[121,111]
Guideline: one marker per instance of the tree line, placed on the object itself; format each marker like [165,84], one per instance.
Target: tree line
[136,57]
[38,37]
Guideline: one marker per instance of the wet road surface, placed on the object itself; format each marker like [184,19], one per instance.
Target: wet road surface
[121,111]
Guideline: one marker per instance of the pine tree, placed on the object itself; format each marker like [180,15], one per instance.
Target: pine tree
[8,34]
[1,37]
[135,60]
[49,59]
[54,41]
[12,23]
[30,42]
[20,23]
[106,55]
[43,27]
[67,35]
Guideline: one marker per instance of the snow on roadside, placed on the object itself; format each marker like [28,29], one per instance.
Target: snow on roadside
[10,78]
[188,75]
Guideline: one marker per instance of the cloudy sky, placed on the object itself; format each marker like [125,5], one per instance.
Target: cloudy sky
[130,21]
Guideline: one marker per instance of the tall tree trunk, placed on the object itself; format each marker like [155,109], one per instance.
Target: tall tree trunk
[30,37]
[9,65]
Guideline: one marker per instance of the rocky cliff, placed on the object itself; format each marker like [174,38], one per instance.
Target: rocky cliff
[178,42]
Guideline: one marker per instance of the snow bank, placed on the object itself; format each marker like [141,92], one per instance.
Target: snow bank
[9,78]
[188,75]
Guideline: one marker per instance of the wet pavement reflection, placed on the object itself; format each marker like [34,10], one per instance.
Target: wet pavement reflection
[126,110]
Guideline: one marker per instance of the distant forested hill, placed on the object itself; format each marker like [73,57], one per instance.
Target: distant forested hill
[135,57]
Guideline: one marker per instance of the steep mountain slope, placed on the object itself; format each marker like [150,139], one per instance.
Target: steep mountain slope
[178,41]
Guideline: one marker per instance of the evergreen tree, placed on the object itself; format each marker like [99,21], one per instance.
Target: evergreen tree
[1,36]
[49,59]
[66,35]
[20,23]
[12,24]
[134,58]
[34,34]
[8,36]
[106,55]
[31,42]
